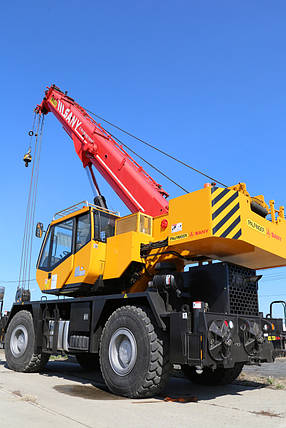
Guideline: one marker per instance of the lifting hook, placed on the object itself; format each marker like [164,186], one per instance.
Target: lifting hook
[27,157]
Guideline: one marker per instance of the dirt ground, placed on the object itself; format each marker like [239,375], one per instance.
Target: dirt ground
[271,375]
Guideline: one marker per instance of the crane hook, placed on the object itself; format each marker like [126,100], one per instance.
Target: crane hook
[27,157]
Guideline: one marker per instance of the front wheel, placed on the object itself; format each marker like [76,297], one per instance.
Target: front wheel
[133,354]
[218,376]
[20,343]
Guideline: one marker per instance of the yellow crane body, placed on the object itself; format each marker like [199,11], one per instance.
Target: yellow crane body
[209,224]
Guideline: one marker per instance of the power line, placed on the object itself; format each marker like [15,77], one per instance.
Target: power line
[156,148]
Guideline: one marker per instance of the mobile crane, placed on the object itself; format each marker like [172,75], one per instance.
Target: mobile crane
[135,309]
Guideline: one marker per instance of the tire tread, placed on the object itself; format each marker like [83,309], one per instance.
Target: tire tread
[36,361]
[159,368]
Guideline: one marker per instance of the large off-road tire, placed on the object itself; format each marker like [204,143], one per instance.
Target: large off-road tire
[133,354]
[87,361]
[218,376]
[19,345]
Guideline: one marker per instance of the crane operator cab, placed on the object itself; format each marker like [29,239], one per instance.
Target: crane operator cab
[72,258]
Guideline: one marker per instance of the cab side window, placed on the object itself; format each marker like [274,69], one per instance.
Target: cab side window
[82,231]
[104,225]
[44,262]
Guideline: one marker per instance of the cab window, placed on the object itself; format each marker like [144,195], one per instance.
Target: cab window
[104,225]
[82,231]
[61,242]
[44,262]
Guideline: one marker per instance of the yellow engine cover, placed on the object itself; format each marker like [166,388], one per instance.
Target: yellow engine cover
[220,224]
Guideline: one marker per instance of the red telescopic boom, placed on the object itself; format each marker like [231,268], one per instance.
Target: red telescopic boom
[96,147]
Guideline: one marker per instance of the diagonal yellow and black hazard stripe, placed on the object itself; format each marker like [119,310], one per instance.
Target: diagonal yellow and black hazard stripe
[225,213]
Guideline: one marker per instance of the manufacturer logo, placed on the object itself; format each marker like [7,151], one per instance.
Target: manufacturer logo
[273,235]
[176,238]
[66,113]
[199,232]
[255,226]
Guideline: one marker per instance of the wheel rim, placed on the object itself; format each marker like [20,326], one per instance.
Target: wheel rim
[122,351]
[19,341]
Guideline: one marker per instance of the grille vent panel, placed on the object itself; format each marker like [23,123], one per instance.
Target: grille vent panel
[243,295]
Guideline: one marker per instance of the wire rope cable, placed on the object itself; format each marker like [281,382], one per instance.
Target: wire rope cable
[148,163]
[35,193]
[31,133]
[29,205]
[16,281]
[27,244]
[156,148]
[24,241]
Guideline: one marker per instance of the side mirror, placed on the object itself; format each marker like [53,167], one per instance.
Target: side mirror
[39,230]
[2,292]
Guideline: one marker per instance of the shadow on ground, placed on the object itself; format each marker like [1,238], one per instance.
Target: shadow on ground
[91,386]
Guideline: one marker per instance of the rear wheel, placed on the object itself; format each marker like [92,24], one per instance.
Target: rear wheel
[20,343]
[218,376]
[133,354]
[87,361]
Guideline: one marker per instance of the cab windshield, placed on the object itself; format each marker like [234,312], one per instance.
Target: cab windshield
[58,245]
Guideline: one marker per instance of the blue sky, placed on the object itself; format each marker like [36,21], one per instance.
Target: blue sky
[204,81]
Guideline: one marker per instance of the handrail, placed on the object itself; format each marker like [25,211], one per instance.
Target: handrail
[80,205]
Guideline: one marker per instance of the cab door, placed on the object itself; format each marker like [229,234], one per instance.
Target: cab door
[57,257]
[82,252]
[91,232]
